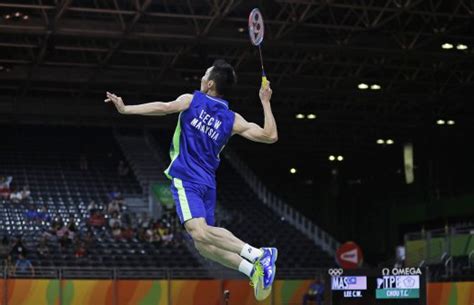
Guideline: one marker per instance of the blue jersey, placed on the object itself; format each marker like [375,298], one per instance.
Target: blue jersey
[202,132]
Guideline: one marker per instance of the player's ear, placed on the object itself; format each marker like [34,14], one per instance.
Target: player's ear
[211,84]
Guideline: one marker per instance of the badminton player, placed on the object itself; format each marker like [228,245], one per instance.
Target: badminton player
[205,124]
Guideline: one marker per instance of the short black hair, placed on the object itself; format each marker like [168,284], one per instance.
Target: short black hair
[223,75]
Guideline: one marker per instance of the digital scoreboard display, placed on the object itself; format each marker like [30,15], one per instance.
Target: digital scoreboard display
[394,286]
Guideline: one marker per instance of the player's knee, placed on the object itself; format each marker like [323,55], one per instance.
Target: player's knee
[199,234]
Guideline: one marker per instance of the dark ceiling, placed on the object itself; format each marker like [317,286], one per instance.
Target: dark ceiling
[57,62]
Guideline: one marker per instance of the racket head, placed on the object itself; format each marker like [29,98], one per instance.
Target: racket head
[256,27]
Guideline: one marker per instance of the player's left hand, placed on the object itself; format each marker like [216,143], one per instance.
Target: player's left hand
[265,93]
[117,100]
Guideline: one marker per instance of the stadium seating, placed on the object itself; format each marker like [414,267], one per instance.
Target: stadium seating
[50,166]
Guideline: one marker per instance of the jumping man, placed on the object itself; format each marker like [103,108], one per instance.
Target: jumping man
[205,124]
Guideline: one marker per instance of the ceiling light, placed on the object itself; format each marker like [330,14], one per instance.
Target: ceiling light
[311,116]
[241,30]
[450,122]
[340,158]
[447,46]
[332,158]
[380,141]
[300,116]
[440,122]
[461,47]
[25,17]
[362,86]
[7,16]
[375,87]
[389,142]
[293,170]
[17,14]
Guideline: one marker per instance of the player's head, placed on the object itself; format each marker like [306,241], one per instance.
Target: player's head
[220,77]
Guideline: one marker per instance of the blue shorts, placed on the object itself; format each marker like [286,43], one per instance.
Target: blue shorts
[193,200]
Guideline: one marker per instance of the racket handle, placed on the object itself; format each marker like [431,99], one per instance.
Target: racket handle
[264,81]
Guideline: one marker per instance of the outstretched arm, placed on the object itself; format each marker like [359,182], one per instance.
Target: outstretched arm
[154,108]
[268,134]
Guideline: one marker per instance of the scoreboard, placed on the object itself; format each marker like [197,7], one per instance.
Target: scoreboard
[389,286]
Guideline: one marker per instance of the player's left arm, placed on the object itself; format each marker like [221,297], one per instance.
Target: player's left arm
[154,108]
[268,134]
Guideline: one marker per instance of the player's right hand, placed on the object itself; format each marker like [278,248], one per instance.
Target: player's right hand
[265,93]
[117,100]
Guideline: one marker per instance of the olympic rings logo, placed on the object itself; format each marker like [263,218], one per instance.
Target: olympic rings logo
[335,271]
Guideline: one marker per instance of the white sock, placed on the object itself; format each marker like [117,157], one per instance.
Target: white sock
[246,267]
[250,253]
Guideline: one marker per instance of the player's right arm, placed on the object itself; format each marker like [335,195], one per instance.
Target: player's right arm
[269,133]
[154,108]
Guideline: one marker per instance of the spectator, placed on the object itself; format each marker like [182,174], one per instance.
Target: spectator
[19,196]
[144,221]
[81,249]
[116,231]
[5,186]
[141,234]
[57,223]
[43,249]
[4,248]
[71,226]
[25,193]
[18,247]
[128,232]
[52,231]
[31,214]
[152,235]
[115,194]
[9,266]
[167,236]
[61,232]
[400,257]
[65,241]
[15,196]
[43,214]
[88,239]
[92,207]
[83,164]
[114,220]
[122,169]
[315,292]
[96,219]
[114,206]
[126,219]
[22,265]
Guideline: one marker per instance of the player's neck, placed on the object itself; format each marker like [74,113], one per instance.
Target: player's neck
[212,93]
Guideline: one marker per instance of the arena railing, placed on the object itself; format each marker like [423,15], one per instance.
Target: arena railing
[436,246]
[154,273]
[295,218]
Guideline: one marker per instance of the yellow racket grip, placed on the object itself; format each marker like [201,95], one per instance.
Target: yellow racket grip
[264,81]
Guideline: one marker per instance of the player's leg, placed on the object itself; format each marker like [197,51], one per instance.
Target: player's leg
[190,206]
[221,235]
[225,258]
[220,238]
[193,203]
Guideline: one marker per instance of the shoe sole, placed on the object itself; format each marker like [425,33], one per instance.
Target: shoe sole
[262,293]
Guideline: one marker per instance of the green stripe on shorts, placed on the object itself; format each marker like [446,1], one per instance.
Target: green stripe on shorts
[183,200]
